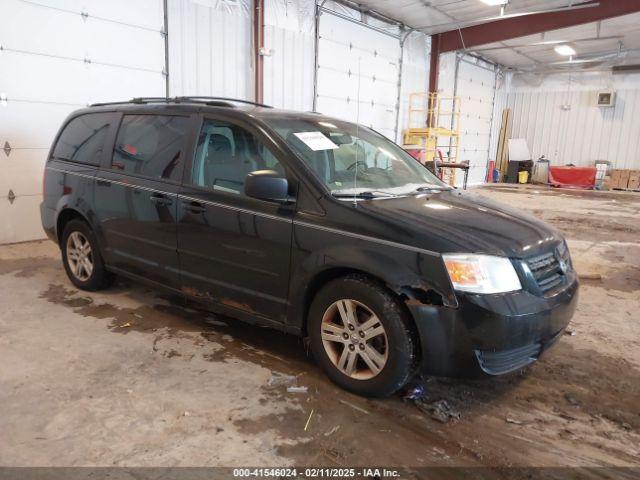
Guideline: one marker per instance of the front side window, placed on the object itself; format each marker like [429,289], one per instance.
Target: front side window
[353,160]
[225,154]
[83,139]
[151,145]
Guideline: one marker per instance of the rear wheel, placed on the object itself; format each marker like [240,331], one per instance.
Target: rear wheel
[81,257]
[360,336]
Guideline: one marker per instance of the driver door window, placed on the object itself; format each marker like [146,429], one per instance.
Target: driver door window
[225,154]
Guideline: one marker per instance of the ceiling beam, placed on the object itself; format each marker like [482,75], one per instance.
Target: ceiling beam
[549,43]
[434,73]
[499,30]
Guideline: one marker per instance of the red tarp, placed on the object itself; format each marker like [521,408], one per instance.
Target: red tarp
[572,177]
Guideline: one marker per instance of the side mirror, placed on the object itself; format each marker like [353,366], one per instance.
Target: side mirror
[267,185]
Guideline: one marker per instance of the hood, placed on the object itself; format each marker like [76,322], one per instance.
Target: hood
[456,221]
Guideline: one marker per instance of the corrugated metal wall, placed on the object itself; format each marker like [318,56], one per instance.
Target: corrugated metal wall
[499,104]
[582,134]
[288,68]
[59,55]
[290,61]
[210,48]
[210,53]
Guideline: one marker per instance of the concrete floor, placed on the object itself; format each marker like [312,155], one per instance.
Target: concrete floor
[127,377]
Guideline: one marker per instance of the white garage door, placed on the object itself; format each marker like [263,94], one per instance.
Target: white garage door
[475,87]
[346,48]
[58,56]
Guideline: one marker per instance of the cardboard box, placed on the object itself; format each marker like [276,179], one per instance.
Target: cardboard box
[634,180]
[615,178]
[619,178]
[625,179]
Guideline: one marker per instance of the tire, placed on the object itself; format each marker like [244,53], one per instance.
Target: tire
[77,234]
[371,374]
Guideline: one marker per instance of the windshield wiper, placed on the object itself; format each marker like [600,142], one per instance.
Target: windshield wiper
[427,188]
[368,194]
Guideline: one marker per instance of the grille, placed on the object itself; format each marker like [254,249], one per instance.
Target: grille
[546,271]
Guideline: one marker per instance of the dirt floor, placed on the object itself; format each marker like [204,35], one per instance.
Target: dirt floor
[128,377]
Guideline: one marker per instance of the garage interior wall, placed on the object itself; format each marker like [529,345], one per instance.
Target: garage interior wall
[350,43]
[474,81]
[210,48]
[289,40]
[559,118]
[475,85]
[415,74]
[499,104]
[60,55]
[358,71]
[56,57]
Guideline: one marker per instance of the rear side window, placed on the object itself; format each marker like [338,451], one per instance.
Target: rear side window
[82,140]
[151,145]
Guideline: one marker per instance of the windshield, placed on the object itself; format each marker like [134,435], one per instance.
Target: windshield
[353,160]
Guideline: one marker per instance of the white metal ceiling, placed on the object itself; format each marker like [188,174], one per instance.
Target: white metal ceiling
[442,15]
[613,41]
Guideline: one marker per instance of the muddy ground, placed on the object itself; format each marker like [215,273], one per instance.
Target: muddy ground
[128,377]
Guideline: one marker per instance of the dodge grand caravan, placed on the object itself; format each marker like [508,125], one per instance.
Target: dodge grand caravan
[311,225]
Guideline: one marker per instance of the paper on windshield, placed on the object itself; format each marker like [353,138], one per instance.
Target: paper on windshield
[316,141]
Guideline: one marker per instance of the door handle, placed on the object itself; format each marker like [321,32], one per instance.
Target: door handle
[193,206]
[160,199]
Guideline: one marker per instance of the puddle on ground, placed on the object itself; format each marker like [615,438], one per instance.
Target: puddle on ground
[269,348]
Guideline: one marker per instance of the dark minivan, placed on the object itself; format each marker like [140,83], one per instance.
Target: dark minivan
[311,225]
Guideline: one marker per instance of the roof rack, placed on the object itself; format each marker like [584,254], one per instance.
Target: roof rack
[204,99]
[211,101]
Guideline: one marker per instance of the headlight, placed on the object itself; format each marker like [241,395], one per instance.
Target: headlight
[481,273]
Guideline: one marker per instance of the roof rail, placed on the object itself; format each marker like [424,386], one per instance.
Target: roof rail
[149,99]
[140,100]
[199,98]
[212,101]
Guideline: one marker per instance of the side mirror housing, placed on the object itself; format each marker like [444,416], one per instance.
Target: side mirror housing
[267,185]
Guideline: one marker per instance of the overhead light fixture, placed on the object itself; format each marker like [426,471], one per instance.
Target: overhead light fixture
[564,50]
[495,3]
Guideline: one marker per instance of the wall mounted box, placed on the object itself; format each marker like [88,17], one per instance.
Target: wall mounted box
[606,98]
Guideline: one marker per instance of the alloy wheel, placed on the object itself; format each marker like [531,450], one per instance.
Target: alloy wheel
[354,339]
[79,256]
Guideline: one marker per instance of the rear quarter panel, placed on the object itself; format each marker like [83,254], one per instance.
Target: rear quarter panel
[67,185]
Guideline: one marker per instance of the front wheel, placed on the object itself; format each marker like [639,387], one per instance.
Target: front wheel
[360,336]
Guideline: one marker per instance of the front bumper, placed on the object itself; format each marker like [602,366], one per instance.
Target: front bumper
[491,333]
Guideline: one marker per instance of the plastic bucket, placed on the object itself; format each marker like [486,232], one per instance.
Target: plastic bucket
[492,166]
[523,177]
